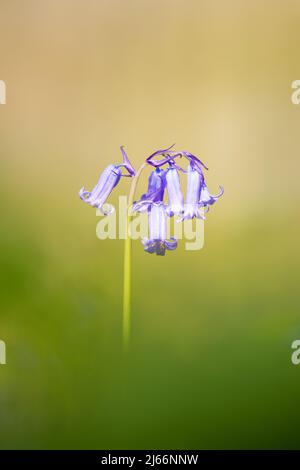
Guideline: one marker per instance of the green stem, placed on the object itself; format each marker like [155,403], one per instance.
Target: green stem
[127,264]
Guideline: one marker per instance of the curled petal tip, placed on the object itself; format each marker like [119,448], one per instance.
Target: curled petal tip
[83,194]
[126,163]
[208,199]
[171,244]
[195,160]
[221,191]
[159,163]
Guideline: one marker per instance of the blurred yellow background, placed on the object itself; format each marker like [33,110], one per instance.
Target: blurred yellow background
[209,364]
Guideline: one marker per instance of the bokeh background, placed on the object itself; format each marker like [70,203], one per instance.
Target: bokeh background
[209,364]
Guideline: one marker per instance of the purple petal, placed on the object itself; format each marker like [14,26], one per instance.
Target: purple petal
[195,160]
[154,246]
[171,244]
[157,163]
[159,246]
[126,163]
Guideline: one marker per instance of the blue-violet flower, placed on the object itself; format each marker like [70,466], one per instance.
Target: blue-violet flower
[108,179]
[175,196]
[157,242]
[155,192]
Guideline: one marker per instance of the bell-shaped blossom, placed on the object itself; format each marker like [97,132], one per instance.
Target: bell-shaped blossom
[194,184]
[175,196]
[157,241]
[108,179]
[207,199]
[106,183]
[197,195]
[155,192]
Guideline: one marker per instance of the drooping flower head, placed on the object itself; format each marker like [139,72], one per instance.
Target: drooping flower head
[166,176]
[108,179]
[163,179]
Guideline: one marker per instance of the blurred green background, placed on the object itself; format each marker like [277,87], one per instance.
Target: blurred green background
[210,358]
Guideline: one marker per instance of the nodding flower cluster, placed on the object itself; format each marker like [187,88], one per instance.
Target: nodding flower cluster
[164,177]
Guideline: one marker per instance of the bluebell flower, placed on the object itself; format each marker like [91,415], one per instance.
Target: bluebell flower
[108,179]
[155,192]
[175,196]
[152,201]
[197,194]
[193,191]
[157,242]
